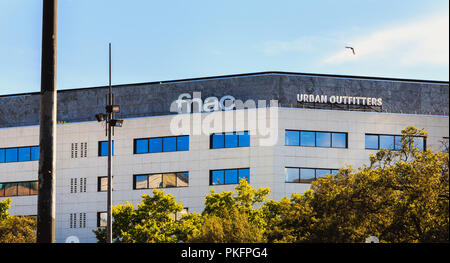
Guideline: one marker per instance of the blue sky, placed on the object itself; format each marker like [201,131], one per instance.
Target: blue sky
[166,40]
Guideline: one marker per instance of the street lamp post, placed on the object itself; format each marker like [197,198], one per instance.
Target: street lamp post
[110,124]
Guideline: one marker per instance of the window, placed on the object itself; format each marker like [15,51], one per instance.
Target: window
[316,139]
[161,180]
[229,140]
[161,144]
[102,219]
[390,142]
[19,154]
[306,175]
[228,176]
[103,148]
[18,188]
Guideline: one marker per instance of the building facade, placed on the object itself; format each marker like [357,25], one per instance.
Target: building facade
[275,129]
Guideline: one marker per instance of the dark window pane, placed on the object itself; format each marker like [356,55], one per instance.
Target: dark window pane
[156,145]
[141,146]
[372,142]
[307,175]
[217,177]
[35,153]
[11,189]
[387,142]
[292,175]
[183,143]
[23,188]
[2,190]
[307,138]
[169,144]
[169,180]
[155,181]
[24,154]
[182,179]
[397,143]
[11,155]
[33,188]
[103,151]
[323,139]
[292,138]
[244,139]
[322,172]
[2,155]
[141,182]
[339,140]
[231,176]
[244,174]
[231,140]
[218,141]
[419,142]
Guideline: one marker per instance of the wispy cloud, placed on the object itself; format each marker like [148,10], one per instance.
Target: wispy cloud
[300,45]
[419,42]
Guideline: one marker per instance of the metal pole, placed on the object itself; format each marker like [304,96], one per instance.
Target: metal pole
[47,129]
[108,123]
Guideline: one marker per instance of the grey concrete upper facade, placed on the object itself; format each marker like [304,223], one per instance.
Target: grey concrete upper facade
[155,98]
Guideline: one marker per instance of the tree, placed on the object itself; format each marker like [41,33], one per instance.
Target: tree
[233,219]
[151,221]
[15,229]
[401,196]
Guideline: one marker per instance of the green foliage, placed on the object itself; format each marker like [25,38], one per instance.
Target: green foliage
[4,206]
[401,196]
[15,229]
[152,221]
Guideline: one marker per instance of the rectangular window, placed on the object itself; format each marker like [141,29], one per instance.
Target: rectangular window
[169,144]
[323,139]
[229,140]
[103,148]
[316,139]
[11,155]
[2,155]
[141,146]
[156,145]
[2,190]
[390,142]
[182,143]
[24,154]
[102,183]
[102,219]
[306,175]
[164,180]
[228,176]
[161,144]
[19,154]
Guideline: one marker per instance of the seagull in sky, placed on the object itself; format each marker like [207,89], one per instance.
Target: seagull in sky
[353,50]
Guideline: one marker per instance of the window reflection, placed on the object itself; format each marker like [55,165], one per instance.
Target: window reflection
[164,180]
[307,138]
[229,176]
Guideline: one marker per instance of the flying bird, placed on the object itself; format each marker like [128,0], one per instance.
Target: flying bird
[353,50]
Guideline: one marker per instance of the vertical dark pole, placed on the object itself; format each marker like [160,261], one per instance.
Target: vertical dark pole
[108,123]
[47,132]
